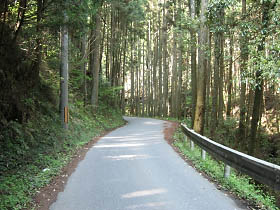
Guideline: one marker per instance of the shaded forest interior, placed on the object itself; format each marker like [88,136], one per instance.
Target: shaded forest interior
[213,63]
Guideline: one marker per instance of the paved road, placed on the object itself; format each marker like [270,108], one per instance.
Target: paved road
[134,168]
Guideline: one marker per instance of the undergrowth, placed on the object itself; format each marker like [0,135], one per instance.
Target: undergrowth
[32,154]
[240,185]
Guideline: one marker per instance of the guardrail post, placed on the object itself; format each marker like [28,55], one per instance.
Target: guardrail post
[227,171]
[203,154]
[191,145]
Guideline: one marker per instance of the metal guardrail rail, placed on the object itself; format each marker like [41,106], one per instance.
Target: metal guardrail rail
[260,170]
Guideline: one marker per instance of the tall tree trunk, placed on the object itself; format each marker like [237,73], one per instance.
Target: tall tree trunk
[214,120]
[254,144]
[143,81]
[193,62]
[84,65]
[208,82]
[132,84]
[164,63]
[107,66]
[149,66]
[64,112]
[39,41]
[202,72]
[180,65]
[124,73]
[221,71]
[243,69]
[155,77]
[4,12]
[138,50]
[174,77]
[96,64]
[180,78]
[160,50]
[20,17]
[230,76]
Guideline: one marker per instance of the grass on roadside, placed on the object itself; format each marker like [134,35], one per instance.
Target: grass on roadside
[32,154]
[239,185]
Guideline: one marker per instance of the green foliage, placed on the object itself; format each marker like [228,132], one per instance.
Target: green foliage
[226,132]
[241,185]
[33,153]
[215,11]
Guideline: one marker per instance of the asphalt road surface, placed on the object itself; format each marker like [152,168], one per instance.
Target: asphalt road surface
[133,167]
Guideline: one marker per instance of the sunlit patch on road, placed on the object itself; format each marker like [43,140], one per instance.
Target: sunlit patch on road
[128,157]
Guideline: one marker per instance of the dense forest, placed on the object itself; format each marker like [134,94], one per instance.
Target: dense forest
[213,63]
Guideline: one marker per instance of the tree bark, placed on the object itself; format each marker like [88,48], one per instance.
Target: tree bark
[221,70]
[215,86]
[193,62]
[174,86]
[230,76]
[254,143]
[155,78]
[202,72]
[208,82]
[84,65]
[160,50]
[164,63]
[243,69]
[96,62]
[64,111]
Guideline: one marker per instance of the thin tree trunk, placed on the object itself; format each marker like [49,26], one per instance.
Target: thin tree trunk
[39,41]
[96,64]
[208,85]
[174,77]
[84,64]
[221,72]
[230,76]
[64,112]
[132,98]
[143,81]
[124,73]
[193,62]
[155,78]
[20,18]
[164,64]
[215,86]
[160,50]
[180,79]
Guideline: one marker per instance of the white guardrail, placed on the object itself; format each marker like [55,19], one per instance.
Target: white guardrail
[260,170]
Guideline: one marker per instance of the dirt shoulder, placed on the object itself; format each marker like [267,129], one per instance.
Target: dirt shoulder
[48,194]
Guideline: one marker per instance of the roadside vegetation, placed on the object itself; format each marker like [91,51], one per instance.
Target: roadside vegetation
[33,153]
[215,62]
[242,186]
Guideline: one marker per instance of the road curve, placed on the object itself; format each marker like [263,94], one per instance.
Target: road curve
[134,168]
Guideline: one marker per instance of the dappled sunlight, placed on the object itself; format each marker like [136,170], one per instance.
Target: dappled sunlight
[152,136]
[128,157]
[152,123]
[114,137]
[144,193]
[156,205]
[118,145]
